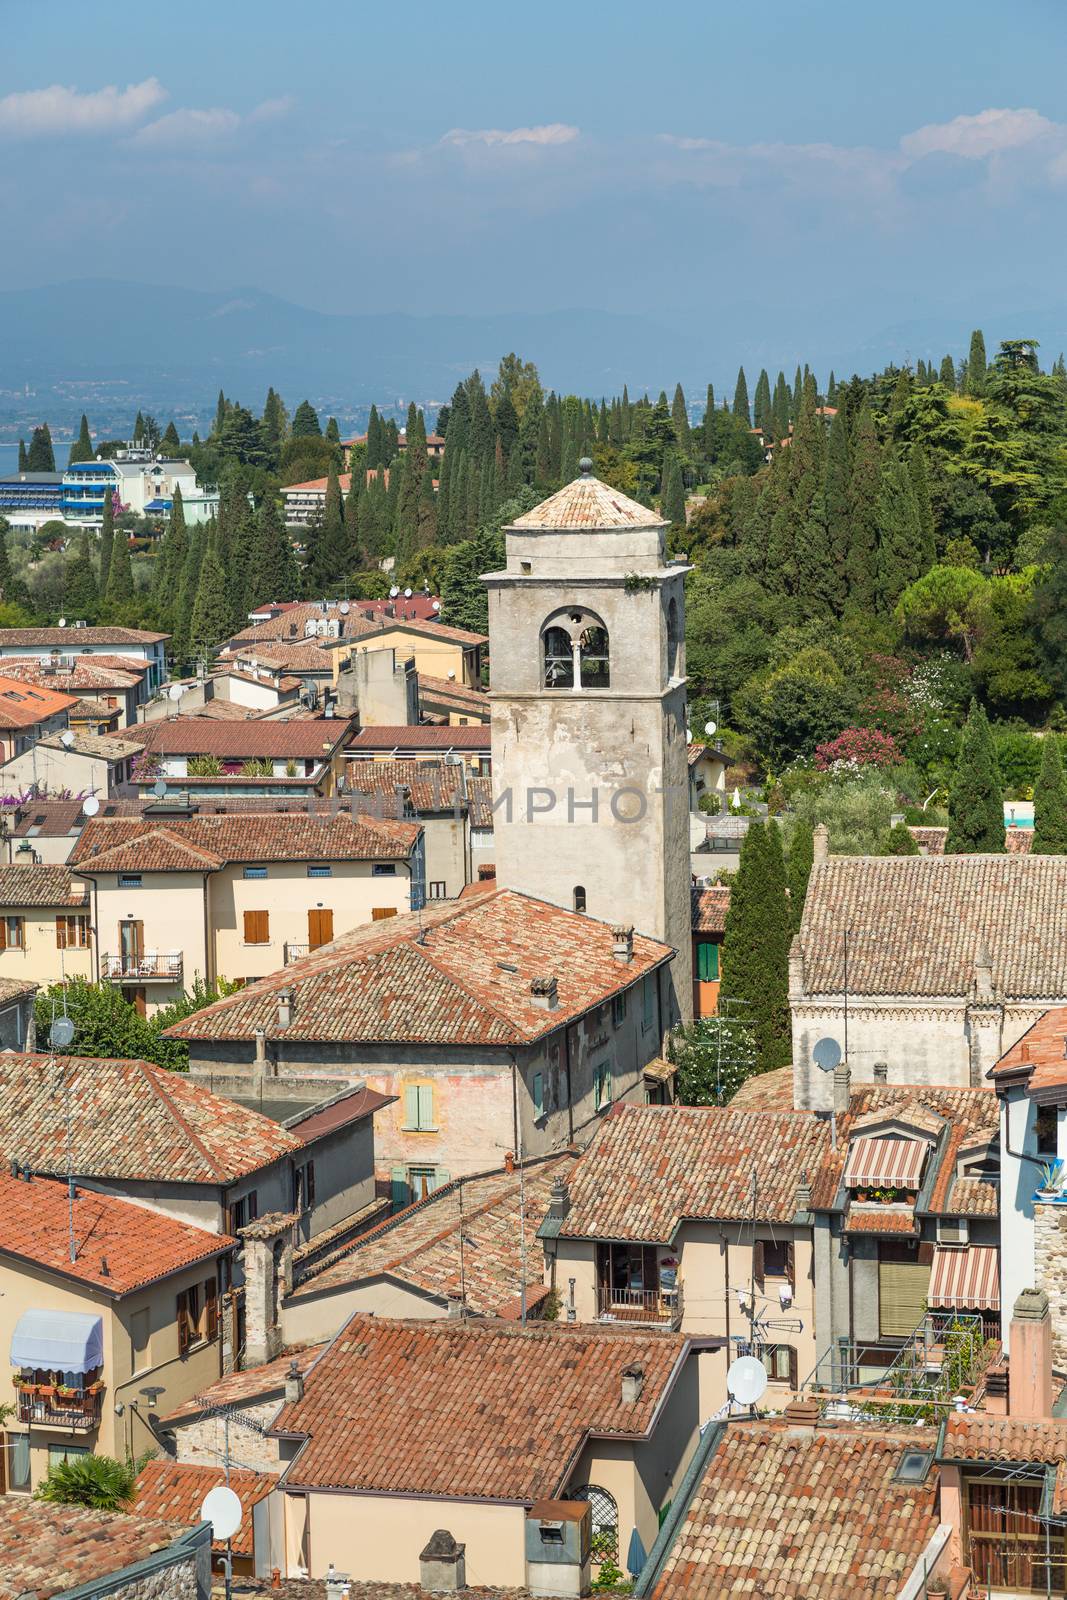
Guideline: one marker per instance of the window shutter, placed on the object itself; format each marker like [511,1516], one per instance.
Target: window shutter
[250,927]
[792,1368]
[538,1093]
[310,1171]
[757,1262]
[253,1206]
[379,913]
[3,933]
[791,1264]
[426,1105]
[61,933]
[211,1309]
[399,1191]
[902,1291]
[411,1106]
[440,1177]
[182,1308]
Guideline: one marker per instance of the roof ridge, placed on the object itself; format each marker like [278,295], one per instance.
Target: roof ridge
[179,1118]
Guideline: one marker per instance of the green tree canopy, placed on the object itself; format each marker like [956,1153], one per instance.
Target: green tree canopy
[755,977]
[1050,802]
[975,800]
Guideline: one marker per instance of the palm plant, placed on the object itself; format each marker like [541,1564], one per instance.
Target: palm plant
[90,1480]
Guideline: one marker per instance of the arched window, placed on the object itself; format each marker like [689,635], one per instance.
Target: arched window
[673,641]
[575,652]
[579,897]
[605,1519]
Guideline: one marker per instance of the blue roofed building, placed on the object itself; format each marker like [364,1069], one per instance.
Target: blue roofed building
[30,499]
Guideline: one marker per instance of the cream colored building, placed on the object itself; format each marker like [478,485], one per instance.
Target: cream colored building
[71,763]
[236,896]
[137,1309]
[46,929]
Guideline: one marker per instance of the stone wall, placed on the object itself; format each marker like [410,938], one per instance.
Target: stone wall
[200,1443]
[179,1581]
[1050,1270]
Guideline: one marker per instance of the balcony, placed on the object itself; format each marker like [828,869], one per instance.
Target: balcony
[149,968]
[48,1405]
[660,1308]
[296,952]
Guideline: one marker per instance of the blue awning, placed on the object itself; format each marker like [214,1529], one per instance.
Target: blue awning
[66,1341]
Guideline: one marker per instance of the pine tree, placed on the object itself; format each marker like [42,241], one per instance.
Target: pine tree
[306,424]
[864,482]
[1050,802]
[82,448]
[975,801]
[899,533]
[672,498]
[801,859]
[107,539]
[755,952]
[119,591]
[210,622]
[976,364]
[741,397]
[24,460]
[80,593]
[41,457]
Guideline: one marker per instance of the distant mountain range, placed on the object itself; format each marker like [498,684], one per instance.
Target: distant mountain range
[182,345]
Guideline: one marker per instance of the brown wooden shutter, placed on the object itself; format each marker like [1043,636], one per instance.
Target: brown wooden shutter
[3,933]
[757,1262]
[61,933]
[211,1309]
[310,1170]
[792,1368]
[791,1265]
[184,1333]
[257,927]
[320,927]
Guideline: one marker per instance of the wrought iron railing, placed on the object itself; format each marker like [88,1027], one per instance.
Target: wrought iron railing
[80,1409]
[663,1307]
[943,1356]
[138,969]
[296,952]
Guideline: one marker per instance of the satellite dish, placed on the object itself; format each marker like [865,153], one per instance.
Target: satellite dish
[394,591]
[688,735]
[436,605]
[407,594]
[66,739]
[746,1381]
[736,801]
[62,622]
[344,608]
[223,1510]
[710,727]
[159,788]
[61,1033]
[175,691]
[90,805]
[826,1053]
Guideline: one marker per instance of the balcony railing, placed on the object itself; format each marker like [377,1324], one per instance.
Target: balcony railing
[46,1407]
[149,968]
[661,1307]
[296,952]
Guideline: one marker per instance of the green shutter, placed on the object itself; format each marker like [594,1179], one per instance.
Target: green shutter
[538,1093]
[440,1177]
[425,1112]
[399,1191]
[707,961]
[411,1106]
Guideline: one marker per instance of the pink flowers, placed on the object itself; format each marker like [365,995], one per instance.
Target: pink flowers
[856,748]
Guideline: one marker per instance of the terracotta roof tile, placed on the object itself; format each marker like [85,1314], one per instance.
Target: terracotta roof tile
[980,1436]
[303,655]
[40,885]
[1018,841]
[23,705]
[459,696]
[113,747]
[247,1387]
[879,1219]
[72,638]
[307,738]
[588,503]
[459,973]
[502,1410]
[709,909]
[130,1119]
[46,1550]
[353,624]
[171,1491]
[119,1246]
[920,921]
[766,1091]
[206,843]
[650,1167]
[422,736]
[89,674]
[420,1245]
[433,785]
[803,1515]
[1040,1056]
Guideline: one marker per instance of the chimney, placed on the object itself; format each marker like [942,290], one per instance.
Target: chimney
[803,1201]
[260,1068]
[509,1161]
[633,1381]
[881,1072]
[842,1087]
[442,1564]
[983,973]
[294,1384]
[544,993]
[796,967]
[1030,1363]
[821,845]
[559,1202]
[622,942]
[453,1306]
[337,1583]
[285,1007]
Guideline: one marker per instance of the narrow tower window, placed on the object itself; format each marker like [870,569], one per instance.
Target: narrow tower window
[575,651]
[673,641]
[579,897]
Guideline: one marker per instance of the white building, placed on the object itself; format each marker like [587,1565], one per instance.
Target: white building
[138,480]
[63,644]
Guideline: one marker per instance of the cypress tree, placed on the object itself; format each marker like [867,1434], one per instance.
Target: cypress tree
[327,558]
[406,525]
[220,413]
[976,363]
[426,531]
[741,397]
[12,590]
[82,448]
[274,570]
[107,540]
[306,424]
[975,802]
[899,533]
[273,427]
[947,375]
[41,456]
[864,482]
[24,460]
[80,594]
[831,389]
[210,622]
[782,406]
[530,439]
[709,421]
[373,457]
[172,551]
[170,441]
[333,432]
[1050,802]
[507,425]
[185,597]
[481,437]
[138,428]
[836,503]
[762,413]
[672,499]
[351,518]
[798,392]
[119,591]
[238,573]
[801,859]
[755,951]
[920,488]
[680,418]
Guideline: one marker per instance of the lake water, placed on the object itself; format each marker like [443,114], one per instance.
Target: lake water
[9,456]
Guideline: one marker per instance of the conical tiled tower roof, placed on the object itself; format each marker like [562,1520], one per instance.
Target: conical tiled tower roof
[588,503]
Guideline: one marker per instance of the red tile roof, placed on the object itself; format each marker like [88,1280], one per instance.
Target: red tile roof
[422,736]
[119,1246]
[90,673]
[879,1219]
[766,1091]
[1040,1056]
[310,738]
[130,1119]
[41,885]
[980,1436]
[23,705]
[317,485]
[588,503]
[502,1411]
[651,1167]
[441,691]
[71,639]
[459,973]
[420,1246]
[46,1550]
[246,1388]
[361,620]
[206,843]
[803,1515]
[433,785]
[174,1492]
[709,909]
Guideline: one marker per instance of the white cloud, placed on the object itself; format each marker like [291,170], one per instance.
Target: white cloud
[549,133]
[985,134]
[58,110]
[191,126]
[269,110]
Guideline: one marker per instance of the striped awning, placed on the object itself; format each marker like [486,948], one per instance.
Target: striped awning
[966,1279]
[890,1162]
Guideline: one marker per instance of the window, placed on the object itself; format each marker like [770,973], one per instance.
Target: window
[320,872]
[579,897]
[781,1363]
[481,838]
[604,1514]
[58,1453]
[438,889]
[574,652]
[12,933]
[602,1085]
[72,933]
[773,1259]
[243,1211]
[257,927]
[618,1010]
[197,1314]
[903,1285]
[537,1092]
[558,659]
[1045,1131]
[648,1002]
[913,1466]
[304,1187]
[707,961]
[18,1462]
[383,869]
[673,640]
[418,1108]
[423,1181]
[254,872]
[129,880]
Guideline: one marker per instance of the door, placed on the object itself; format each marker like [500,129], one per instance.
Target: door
[320,928]
[131,946]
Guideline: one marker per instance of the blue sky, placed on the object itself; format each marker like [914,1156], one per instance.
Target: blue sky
[699,160]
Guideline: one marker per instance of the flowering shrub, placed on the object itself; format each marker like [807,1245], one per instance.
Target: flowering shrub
[146,765]
[856,748]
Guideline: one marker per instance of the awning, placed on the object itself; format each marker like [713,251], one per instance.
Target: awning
[890,1163]
[966,1279]
[659,1071]
[66,1341]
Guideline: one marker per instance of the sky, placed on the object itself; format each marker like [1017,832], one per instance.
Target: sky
[701,161]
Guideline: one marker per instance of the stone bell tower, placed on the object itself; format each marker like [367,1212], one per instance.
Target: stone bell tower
[590,771]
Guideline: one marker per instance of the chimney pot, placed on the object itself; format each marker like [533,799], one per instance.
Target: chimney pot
[622,942]
[442,1564]
[294,1384]
[804,1192]
[842,1087]
[633,1381]
[544,993]
[881,1072]
[509,1161]
[285,1007]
